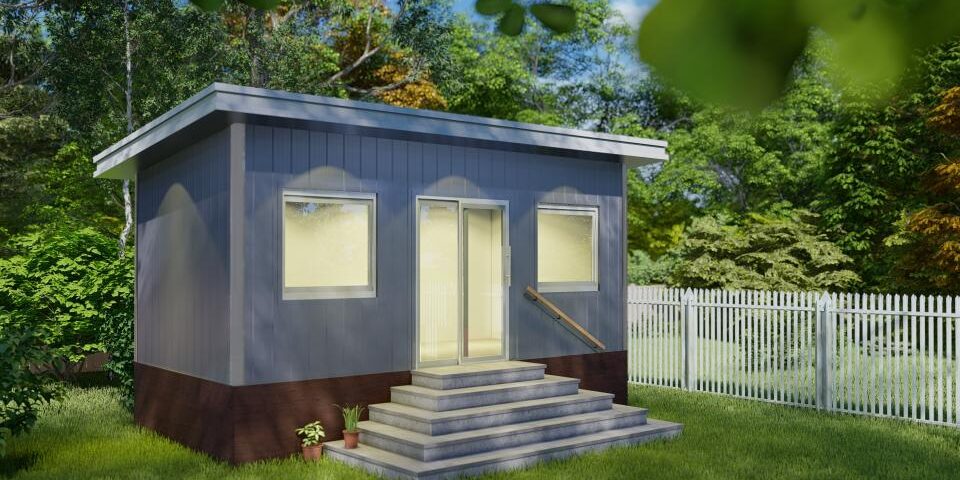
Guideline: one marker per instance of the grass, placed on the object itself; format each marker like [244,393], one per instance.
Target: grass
[89,436]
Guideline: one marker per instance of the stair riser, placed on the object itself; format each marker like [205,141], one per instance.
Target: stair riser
[499,464]
[544,434]
[485,421]
[482,399]
[477,380]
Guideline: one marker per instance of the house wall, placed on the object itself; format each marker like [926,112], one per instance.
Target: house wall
[182,250]
[288,340]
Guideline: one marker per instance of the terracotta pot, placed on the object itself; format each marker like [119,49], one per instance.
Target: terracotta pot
[350,439]
[313,452]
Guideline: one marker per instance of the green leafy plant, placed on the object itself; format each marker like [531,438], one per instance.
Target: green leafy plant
[67,283]
[23,386]
[351,417]
[741,52]
[782,252]
[311,434]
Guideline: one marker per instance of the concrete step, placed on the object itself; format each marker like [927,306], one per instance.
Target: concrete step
[392,465]
[428,422]
[429,448]
[463,376]
[443,400]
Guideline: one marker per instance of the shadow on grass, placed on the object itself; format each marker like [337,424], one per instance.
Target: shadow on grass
[12,464]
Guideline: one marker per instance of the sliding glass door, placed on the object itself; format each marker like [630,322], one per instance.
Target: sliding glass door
[462,279]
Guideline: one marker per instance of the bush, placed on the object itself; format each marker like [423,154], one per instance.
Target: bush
[70,287]
[23,387]
[782,252]
[643,270]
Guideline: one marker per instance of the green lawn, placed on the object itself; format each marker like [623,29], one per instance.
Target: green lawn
[88,436]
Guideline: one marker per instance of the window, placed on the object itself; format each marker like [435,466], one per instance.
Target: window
[329,246]
[566,249]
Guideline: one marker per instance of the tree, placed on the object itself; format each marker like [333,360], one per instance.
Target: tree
[762,252]
[931,260]
[875,163]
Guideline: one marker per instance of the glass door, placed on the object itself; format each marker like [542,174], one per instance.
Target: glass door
[462,279]
[438,253]
[484,282]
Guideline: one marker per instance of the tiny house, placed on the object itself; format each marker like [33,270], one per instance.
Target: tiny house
[295,252]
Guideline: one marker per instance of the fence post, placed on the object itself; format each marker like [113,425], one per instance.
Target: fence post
[689,341]
[826,346]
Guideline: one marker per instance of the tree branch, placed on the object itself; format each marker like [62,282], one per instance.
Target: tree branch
[367,51]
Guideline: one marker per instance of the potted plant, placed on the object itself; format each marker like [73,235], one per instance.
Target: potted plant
[351,417]
[311,438]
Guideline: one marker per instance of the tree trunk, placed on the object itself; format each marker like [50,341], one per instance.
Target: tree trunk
[128,93]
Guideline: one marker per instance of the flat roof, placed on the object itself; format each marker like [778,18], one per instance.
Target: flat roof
[120,160]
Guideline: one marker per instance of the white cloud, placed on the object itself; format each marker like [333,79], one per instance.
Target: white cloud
[632,10]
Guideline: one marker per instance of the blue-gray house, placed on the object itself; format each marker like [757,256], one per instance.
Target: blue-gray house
[296,252]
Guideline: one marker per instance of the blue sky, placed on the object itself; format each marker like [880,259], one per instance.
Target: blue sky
[632,10]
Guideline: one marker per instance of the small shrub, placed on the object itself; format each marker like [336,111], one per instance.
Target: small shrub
[23,387]
[311,434]
[351,417]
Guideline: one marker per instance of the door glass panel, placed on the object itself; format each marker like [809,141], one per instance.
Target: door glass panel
[483,291]
[439,302]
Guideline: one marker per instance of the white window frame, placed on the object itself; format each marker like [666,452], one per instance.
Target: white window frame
[338,292]
[556,287]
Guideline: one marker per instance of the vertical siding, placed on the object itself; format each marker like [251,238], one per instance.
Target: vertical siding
[182,261]
[302,339]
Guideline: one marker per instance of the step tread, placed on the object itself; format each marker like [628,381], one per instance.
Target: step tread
[431,416]
[429,441]
[454,371]
[462,392]
[415,468]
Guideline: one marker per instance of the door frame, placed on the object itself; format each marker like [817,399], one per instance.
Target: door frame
[462,203]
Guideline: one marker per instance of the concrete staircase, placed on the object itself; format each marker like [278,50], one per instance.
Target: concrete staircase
[470,419]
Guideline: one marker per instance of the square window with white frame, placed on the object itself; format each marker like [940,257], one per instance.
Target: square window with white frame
[329,245]
[567,248]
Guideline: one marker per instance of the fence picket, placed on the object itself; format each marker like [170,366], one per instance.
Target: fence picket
[889,355]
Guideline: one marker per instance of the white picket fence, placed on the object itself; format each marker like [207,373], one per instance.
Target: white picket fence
[884,355]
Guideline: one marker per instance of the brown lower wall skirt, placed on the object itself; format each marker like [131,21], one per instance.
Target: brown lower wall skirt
[600,372]
[248,423]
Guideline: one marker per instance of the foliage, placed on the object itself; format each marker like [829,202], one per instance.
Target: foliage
[23,387]
[311,434]
[66,282]
[351,416]
[116,335]
[742,53]
[932,257]
[642,270]
[782,252]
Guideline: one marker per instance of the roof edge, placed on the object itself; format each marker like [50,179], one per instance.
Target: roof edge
[115,161]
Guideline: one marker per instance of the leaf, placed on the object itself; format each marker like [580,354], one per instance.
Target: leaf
[736,53]
[559,18]
[493,7]
[512,22]
[207,5]
[262,4]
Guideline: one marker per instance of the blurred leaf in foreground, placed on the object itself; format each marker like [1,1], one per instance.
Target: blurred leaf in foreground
[740,52]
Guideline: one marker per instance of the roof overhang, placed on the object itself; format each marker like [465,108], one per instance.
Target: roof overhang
[121,159]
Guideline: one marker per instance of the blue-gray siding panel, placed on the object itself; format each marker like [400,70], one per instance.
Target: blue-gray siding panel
[303,339]
[182,261]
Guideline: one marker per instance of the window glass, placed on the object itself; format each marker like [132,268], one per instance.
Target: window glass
[328,246]
[566,249]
